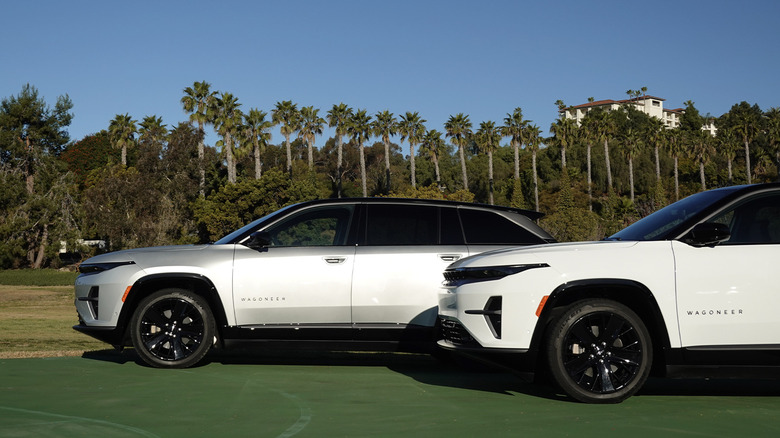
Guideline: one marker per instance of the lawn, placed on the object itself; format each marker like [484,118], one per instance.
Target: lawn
[37,313]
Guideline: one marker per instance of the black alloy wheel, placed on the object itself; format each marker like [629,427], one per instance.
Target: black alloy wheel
[599,351]
[172,328]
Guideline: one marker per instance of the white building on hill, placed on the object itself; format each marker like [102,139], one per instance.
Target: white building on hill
[650,105]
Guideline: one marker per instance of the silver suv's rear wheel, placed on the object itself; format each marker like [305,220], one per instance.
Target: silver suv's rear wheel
[599,351]
[172,328]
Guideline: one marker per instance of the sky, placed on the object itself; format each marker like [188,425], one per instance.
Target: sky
[438,58]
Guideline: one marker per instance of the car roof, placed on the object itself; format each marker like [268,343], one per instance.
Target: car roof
[531,214]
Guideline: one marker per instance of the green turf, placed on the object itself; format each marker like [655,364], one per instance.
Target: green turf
[351,395]
[37,277]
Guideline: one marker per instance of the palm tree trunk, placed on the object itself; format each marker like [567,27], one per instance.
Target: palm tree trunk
[676,180]
[490,176]
[412,165]
[339,160]
[310,143]
[609,168]
[631,176]
[657,165]
[436,167]
[731,177]
[747,161]
[258,163]
[517,160]
[463,167]
[590,182]
[536,181]
[289,154]
[701,175]
[387,164]
[201,167]
[362,169]
[230,161]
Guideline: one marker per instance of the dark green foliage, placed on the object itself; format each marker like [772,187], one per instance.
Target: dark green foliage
[235,205]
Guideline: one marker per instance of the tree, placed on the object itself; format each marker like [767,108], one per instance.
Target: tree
[152,129]
[122,131]
[487,138]
[383,127]
[515,128]
[534,139]
[412,129]
[655,136]
[359,129]
[258,133]
[772,125]
[310,125]
[565,131]
[728,146]
[701,149]
[339,117]
[286,113]
[459,128]
[676,145]
[198,100]
[746,121]
[228,120]
[433,143]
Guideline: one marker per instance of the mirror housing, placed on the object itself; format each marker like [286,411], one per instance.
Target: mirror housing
[259,240]
[707,234]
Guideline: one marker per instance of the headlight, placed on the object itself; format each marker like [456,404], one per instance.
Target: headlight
[489,273]
[91,268]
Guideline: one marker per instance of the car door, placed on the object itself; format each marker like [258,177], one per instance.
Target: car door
[399,265]
[727,293]
[303,276]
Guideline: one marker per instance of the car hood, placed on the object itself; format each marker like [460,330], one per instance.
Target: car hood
[145,256]
[540,253]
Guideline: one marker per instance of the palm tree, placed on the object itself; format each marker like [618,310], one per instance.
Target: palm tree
[412,129]
[384,126]
[122,130]
[339,117]
[514,127]
[728,145]
[772,121]
[676,145]
[228,120]
[359,129]
[592,131]
[632,144]
[152,129]
[258,132]
[310,125]
[655,136]
[198,101]
[534,139]
[564,130]
[701,149]
[459,128]
[746,121]
[433,143]
[286,113]
[487,138]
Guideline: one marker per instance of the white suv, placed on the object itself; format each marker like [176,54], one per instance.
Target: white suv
[348,270]
[692,287]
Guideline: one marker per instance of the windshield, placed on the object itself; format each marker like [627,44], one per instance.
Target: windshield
[657,225]
[246,229]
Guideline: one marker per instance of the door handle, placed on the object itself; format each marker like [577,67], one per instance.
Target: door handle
[450,257]
[334,260]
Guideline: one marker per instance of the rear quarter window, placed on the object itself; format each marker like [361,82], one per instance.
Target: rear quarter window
[489,228]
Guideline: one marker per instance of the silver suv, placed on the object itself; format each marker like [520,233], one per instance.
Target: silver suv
[362,271]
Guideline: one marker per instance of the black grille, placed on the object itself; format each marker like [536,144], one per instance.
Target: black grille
[454,332]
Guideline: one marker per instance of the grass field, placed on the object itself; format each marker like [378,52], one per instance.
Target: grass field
[37,313]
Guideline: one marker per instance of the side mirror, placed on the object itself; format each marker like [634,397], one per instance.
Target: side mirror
[258,240]
[707,234]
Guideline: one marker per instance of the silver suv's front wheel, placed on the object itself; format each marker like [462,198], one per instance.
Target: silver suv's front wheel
[172,328]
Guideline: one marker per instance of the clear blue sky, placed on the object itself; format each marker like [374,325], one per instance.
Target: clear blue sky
[482,58]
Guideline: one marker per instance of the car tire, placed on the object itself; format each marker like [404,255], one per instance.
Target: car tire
[599,351]
[172,328]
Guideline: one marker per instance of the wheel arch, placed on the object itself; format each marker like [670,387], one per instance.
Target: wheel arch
[194,283]
[632,294]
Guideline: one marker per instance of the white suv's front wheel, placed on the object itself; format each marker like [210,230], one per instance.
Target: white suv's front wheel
[172,328]
[599,351]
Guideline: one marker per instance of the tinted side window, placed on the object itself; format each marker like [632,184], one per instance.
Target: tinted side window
[488,228]
[451,231]
[326,226]
[388,224]
[756,220]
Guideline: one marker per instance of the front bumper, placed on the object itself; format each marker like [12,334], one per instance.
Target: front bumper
[109,335]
